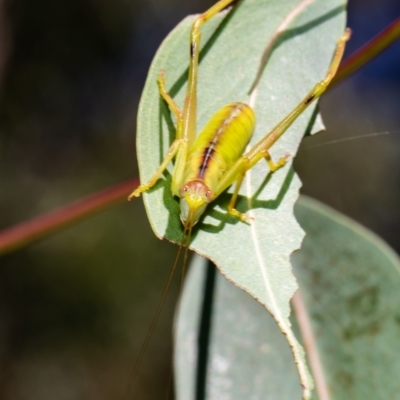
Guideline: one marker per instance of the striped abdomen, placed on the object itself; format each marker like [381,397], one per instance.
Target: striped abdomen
[221,142]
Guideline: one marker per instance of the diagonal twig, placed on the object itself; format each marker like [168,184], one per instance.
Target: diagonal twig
[29,231]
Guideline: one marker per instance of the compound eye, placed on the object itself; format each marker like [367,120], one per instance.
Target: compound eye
[208,193]
[185,188]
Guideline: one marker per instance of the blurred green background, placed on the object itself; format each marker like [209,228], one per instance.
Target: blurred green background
[75,308]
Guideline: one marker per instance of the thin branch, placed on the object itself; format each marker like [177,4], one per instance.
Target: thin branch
[37,228]
[369,51]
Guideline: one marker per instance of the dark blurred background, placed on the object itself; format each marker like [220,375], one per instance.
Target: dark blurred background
[74,308]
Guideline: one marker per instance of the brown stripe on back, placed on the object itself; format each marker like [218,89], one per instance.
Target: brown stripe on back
[210,150]
[207,157]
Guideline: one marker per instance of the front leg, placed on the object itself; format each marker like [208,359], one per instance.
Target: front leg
[167,97]
[173,150]
[176,145]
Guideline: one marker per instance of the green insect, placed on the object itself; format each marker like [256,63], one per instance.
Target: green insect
[206,165]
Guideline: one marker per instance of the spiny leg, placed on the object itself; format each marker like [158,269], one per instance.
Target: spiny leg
[190,106]
[187,130]
[167,97]
[260,150]
[173,150]
[268,140]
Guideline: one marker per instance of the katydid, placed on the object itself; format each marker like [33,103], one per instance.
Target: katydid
[206,165]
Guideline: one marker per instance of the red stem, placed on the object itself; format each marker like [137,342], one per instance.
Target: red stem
[369,51]
[27,232]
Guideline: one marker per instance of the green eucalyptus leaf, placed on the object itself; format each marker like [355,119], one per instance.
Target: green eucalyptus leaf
[248,357]
[254,257]
[349,283]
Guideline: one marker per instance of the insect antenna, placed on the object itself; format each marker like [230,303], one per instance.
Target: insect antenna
[185,238]
[351,138]
[145,344]
[188,237]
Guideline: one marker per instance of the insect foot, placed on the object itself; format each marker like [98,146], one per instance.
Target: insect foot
[243,217]
[273,166]
[137,191]
[161,77]
[282,161]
